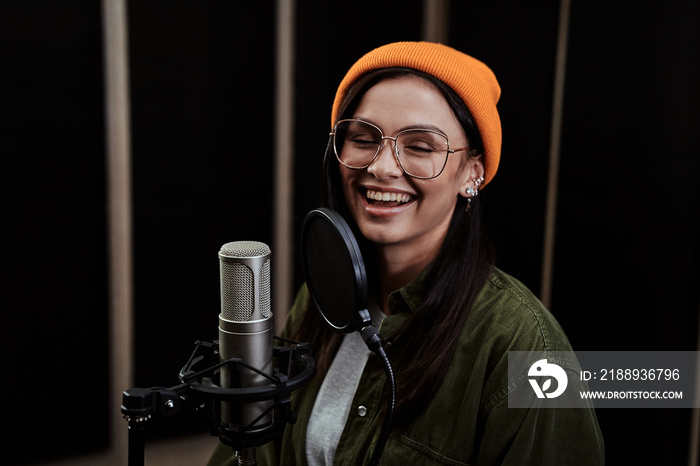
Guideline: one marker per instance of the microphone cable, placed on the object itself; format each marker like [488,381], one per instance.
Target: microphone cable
[374,342]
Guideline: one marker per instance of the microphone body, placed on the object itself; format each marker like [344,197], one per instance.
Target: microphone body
[245,327]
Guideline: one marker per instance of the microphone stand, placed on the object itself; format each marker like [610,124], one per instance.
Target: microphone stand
[246,457]
[199,387]
[139,406]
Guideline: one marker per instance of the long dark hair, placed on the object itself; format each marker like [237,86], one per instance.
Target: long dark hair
[456,276]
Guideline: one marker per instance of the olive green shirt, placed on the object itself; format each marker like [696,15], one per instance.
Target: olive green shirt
[468,422]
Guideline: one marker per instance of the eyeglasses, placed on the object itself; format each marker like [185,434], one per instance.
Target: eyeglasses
[421,153]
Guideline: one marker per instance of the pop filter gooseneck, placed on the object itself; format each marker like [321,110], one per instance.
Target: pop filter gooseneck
[337,281]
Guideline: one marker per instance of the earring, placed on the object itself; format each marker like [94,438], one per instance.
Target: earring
[473,192]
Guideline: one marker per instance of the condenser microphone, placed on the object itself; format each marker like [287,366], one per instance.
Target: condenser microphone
[245,328]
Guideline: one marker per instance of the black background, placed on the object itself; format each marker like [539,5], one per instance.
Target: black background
[626,269]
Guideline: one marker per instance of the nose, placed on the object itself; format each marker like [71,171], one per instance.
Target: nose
[385,164]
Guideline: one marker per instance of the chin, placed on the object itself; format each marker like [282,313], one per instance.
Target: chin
[378,233]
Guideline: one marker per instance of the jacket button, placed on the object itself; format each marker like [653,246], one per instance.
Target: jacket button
[362,411]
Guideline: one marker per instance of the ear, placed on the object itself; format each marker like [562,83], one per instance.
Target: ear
[473,170]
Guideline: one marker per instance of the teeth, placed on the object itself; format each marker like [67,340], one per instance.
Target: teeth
[388,197]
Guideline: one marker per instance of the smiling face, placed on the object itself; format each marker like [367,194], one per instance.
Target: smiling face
[391,208]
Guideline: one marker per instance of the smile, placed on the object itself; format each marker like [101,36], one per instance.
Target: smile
[389,197]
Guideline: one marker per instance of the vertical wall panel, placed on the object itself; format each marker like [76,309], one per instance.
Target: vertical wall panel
[119,214]
[555,153]
[284,247]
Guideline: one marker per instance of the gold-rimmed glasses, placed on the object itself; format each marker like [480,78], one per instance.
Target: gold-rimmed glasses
[421,153]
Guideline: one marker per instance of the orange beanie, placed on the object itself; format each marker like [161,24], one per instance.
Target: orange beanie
[472,80]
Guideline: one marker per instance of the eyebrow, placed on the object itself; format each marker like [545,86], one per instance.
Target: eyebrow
[427,127]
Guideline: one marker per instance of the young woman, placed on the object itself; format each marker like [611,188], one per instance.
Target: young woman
[416,135]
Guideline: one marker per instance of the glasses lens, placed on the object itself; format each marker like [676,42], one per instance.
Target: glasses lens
[423,154]
[356,143]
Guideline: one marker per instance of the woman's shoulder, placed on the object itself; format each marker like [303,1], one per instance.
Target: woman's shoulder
[506,289]
[508,313]
[295,316]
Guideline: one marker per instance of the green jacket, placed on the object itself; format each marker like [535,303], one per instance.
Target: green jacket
[468,422]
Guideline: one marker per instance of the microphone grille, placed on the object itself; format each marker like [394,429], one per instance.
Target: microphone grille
[238,297]
[244,249]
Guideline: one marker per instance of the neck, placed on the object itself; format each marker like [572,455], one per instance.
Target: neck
[397,266]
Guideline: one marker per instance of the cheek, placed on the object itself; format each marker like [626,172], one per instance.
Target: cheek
[440,203]
[345,177]
[440,191]
[347,181]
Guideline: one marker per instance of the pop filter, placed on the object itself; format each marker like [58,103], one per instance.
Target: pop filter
[334,270]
